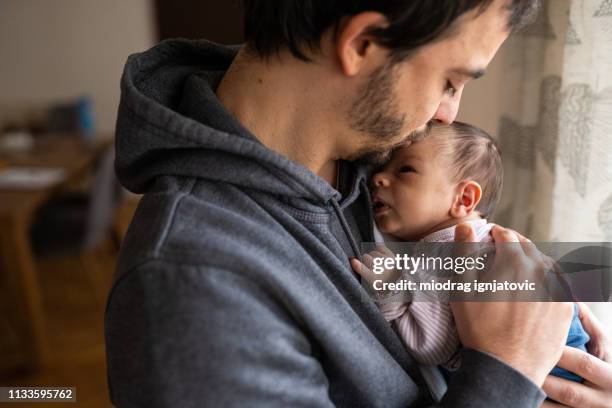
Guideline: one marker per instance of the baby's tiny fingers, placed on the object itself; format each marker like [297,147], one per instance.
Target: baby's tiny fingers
[377,255]
[356,265]
[360,268]
[385,251]
[368,260]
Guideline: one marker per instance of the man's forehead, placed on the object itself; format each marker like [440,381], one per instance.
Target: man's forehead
[498,13]
[477,37]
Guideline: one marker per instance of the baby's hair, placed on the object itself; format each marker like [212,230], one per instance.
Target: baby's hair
[475,155]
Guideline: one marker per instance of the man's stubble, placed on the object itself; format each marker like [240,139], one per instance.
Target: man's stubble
[376,112]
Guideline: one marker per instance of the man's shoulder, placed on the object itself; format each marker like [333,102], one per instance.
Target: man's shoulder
[186,220]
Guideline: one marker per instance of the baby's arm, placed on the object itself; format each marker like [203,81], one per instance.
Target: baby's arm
[427,328]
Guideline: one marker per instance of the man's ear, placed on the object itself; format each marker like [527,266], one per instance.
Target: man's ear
[355,46]
[467,198]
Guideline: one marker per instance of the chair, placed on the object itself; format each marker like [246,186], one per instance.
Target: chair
[77,223]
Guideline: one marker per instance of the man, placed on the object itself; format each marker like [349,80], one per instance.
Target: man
[233,285]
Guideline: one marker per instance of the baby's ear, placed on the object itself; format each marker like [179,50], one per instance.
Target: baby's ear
[467,198]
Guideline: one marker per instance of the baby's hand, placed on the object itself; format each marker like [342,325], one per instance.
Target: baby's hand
[366,269]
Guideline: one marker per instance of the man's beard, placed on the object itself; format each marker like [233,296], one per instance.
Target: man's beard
[379,157]
[376,112]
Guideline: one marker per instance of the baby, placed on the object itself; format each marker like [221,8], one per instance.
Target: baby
[451,176]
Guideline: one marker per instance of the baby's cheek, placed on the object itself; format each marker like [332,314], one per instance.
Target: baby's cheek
[383,224]
[388,223]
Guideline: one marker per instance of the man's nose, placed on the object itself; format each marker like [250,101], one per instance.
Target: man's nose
[447,111]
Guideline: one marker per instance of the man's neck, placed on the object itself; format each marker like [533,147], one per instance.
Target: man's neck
[276,102]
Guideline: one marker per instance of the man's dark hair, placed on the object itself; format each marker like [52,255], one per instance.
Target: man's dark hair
[270,25]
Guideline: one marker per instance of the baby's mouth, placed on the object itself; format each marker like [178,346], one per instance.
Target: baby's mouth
[379,206]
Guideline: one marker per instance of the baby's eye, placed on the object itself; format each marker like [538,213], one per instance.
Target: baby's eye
[407,169]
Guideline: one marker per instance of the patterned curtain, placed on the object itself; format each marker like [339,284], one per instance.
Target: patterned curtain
[556,127]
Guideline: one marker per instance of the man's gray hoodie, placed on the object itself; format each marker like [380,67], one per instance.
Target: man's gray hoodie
[233,285]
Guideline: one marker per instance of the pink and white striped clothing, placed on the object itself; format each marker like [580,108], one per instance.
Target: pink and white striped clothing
[427,328]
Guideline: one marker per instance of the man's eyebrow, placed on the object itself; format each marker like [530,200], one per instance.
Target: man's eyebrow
[472,73]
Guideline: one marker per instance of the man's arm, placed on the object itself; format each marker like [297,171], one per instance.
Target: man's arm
[184,336]
[528,336]
[485,381]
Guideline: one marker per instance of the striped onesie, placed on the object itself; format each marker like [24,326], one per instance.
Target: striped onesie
[427,328]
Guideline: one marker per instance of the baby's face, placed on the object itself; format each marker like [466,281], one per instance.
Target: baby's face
[413,194]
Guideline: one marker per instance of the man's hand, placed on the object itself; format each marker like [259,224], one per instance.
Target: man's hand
[600,344]
[528,336]
[596,391]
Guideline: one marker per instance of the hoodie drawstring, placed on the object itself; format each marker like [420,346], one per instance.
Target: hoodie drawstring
[346,229]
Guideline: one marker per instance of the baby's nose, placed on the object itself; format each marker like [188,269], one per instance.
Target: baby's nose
[380,180]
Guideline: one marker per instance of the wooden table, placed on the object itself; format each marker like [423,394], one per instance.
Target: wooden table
[17,208]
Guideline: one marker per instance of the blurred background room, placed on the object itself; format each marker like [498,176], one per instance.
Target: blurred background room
[547,98]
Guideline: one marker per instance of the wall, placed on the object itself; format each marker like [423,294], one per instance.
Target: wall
[53,50]
[481,100]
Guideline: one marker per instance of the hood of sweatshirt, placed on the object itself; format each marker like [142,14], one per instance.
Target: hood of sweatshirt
[171,123]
